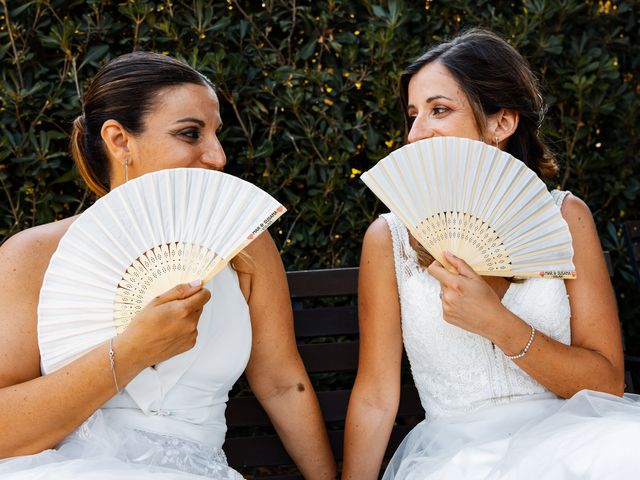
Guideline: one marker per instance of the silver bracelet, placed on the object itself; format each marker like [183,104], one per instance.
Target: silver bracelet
[112,362]
[526,348]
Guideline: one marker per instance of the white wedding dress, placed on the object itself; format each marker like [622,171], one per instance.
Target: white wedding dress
[485,417]
[168,423]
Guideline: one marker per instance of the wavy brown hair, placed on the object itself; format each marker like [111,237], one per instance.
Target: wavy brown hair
[493,76]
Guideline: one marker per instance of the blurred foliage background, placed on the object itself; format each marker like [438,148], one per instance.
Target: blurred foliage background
[310,100]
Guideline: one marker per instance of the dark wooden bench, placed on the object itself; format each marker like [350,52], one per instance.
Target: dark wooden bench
[326,324]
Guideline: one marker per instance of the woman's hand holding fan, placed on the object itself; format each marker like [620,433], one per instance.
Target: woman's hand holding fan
[468,301]
[168,325]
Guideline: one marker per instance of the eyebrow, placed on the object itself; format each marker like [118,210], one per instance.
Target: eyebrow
[191,120]
[431,99]
[199,122]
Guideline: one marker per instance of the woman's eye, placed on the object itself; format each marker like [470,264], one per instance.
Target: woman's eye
[440,110]
[191,134]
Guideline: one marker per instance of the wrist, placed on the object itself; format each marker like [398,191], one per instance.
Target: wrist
[129,361]
[112,362]
[524,351]
[512,335]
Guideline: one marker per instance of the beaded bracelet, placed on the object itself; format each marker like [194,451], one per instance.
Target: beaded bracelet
[526,348]
[112,362]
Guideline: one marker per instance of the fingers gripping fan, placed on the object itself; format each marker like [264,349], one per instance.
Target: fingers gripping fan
[137,242]
[477,202]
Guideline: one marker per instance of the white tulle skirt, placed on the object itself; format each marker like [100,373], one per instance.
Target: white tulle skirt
[97,451]
[590,436]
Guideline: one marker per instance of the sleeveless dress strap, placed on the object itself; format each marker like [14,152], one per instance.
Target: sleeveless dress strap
[405,258]
[395,227]
[559,196]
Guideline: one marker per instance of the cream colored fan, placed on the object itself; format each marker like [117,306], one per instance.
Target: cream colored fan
[477,202]
[138,241]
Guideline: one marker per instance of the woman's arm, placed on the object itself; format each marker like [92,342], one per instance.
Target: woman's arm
[39,411]
[374,400]
[275,371]
[594,360]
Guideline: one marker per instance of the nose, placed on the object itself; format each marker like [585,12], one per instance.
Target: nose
[420,129]
[213,155]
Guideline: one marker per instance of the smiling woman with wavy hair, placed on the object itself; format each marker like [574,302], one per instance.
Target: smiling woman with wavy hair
[518,379]
[150,401]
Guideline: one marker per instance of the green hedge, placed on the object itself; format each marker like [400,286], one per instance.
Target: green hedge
[309,93]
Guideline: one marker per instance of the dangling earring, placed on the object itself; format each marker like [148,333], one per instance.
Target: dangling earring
[496,139]
[126,169]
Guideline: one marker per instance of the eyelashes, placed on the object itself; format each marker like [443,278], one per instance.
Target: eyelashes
[190,135]
[435,112]
[440,110]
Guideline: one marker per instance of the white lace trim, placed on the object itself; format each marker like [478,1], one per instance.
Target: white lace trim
[96,437]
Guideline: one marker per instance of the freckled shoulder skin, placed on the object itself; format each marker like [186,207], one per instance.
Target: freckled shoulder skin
[24,259]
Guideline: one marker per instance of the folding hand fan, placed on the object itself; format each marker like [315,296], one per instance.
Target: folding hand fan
[138,241]
[477,202]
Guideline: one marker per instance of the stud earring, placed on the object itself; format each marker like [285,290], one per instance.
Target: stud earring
[126,169]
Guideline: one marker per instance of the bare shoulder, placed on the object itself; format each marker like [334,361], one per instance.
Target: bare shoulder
[576,212]
[378,237]
[23,261]
[30,250]
[377,262]
[260,253]
[592,282]
[259,264]
[582,227]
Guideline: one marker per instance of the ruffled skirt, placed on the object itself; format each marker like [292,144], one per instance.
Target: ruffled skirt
[97,451]
[590,436]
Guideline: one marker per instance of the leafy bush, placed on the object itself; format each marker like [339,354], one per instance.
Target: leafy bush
[309,93]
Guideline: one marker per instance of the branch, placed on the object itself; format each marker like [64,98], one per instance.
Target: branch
[14,212]
[13,43]
[233,104]
[293,27]
[259,30]
[18,65]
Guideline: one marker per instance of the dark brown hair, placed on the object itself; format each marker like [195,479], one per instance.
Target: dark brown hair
[125,90]
[493,76]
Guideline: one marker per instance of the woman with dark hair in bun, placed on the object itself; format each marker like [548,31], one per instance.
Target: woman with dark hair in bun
[518,379]
[145,112]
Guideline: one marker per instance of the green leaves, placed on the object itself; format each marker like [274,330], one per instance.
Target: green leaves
[309,97]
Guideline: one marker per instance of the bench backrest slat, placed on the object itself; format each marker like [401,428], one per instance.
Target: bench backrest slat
[330,357]
[323,283]
[326,321]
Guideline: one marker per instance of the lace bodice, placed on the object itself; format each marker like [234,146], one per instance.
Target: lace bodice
[457,371]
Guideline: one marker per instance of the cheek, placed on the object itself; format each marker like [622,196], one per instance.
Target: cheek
[466,125]
[163,149]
